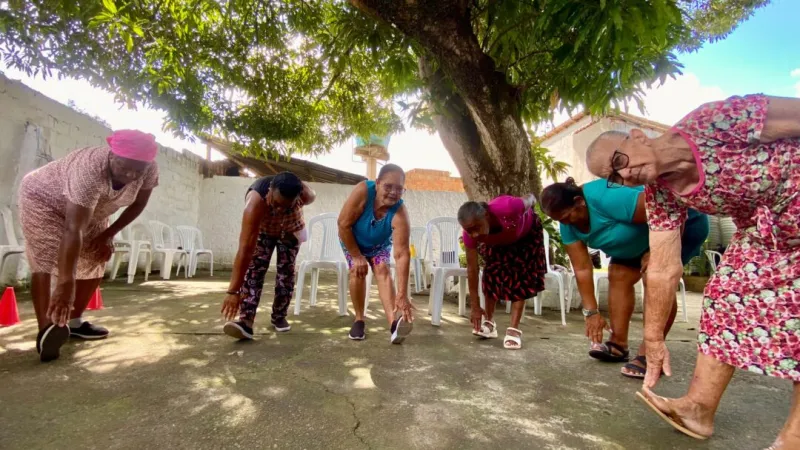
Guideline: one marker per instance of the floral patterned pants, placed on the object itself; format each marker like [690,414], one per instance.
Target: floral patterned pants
[284,279]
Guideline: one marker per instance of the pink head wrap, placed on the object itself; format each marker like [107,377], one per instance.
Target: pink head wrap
[133,144]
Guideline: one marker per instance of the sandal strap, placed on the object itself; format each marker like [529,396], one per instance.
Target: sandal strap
[623,351]
[514,329]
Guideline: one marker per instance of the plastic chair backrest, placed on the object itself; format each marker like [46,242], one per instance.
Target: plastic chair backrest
[324,244]
[714,259]
[418,240]
[140,232]
[191,237]
[163,236]
[447,230]
[8,224]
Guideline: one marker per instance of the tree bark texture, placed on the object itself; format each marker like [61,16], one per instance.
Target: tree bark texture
[479,120]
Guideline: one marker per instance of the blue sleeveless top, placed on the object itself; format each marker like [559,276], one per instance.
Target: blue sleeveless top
[374,235]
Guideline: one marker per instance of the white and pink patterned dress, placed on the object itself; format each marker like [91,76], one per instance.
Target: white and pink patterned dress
[82,177]
[751,305]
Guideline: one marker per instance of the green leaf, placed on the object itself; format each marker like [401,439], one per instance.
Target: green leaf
[110,6]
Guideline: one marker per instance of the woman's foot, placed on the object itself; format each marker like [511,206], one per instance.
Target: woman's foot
[488,329]
[785,441]
[609,352]
[683,414]
[637,368]
[513,339]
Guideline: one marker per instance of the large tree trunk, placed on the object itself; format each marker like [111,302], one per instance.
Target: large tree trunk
[480,122]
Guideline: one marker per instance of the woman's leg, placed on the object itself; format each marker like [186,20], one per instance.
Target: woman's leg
[358,289]
[621,300]
[383,276]
[84,289]
[516,313]
[697,408]
[40,291]
[789,437]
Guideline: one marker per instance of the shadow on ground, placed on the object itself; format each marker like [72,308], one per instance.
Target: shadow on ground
[168,377]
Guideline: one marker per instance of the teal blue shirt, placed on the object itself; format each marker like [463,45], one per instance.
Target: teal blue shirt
[612,229]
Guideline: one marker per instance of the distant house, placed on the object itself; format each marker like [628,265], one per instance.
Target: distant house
[568,141]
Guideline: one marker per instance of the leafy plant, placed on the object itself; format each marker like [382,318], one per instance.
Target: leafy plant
[546,163]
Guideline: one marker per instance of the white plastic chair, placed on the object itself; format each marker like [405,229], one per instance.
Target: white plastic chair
[192,240]
[325,253]
[418,241]
[166,244]
[445,265]
[134,241]
[714,259]
[552,272]
[604,276]
[12,246]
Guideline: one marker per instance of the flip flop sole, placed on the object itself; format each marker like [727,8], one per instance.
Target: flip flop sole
[669,420]
[605,357]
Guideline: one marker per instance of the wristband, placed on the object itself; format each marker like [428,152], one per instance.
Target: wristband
[232,292]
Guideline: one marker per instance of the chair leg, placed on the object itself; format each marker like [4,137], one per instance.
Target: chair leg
[508,307]
[314,285]
[301,278]
[431,294]
[367,289]
[683,301]
[211,263]
[166,265]
[562,299]
[462,296]
[133,261]
[116,262]
[537,305]
[148,265]
[437,297]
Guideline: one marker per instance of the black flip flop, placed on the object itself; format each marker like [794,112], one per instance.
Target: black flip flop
[640,372]
[606,355]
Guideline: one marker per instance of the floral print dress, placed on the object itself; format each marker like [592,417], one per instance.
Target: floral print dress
[751,305]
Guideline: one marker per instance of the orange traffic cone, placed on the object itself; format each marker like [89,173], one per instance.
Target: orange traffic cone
[8,308]
[96,302]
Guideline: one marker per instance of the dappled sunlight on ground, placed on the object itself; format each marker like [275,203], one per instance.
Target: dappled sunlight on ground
[168,374]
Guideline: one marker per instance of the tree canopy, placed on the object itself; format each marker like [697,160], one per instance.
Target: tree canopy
[301,76]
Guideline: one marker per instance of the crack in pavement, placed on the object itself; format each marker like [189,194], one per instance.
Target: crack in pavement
[349,402]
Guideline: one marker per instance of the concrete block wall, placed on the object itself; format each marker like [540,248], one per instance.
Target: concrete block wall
[433,180]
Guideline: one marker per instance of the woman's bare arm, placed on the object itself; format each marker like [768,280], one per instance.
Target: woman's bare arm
[783,119]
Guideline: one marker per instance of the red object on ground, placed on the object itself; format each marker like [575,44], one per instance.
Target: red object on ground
[9,315]
[96,302]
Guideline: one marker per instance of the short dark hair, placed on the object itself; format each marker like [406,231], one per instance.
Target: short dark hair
[470,210]
[287,184]
[389,168]
[559,196]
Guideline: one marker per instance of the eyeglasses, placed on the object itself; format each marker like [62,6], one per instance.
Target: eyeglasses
[394,188]
[619,161]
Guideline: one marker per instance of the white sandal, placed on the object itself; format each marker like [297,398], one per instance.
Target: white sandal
[512,342]
[488,329]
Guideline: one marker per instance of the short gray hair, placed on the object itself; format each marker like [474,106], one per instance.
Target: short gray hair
[592,148]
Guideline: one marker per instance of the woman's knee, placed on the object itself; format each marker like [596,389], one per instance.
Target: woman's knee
[381,271]
[627,276]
